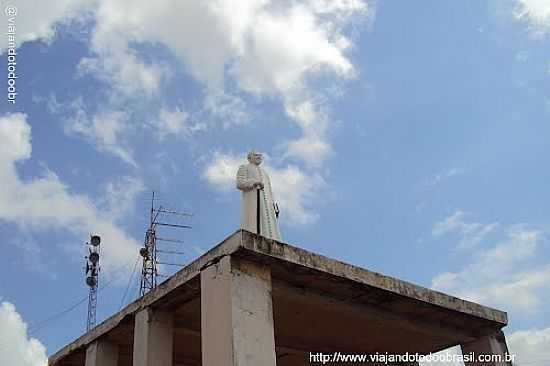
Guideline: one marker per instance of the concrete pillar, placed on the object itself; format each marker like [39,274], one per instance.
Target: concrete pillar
[237,314]
[102,353]
[153,338]
[494,344]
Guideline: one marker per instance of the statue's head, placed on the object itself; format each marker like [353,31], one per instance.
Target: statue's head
[254,157]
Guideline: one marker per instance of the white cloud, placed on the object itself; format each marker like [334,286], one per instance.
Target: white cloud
[531,347]
[342,8]
[119,197]
[109,128]
[176,123]
[304,113]
[46,203]
[221,171]
[294,190]
[266,48]
[522,56]
[536,12]
[438,178]
[495,276]
[284,46]
[32,256]
[43,28]
[121,69]
[230,109]
[312,147]
[16,348]
[471,233]
[104,130]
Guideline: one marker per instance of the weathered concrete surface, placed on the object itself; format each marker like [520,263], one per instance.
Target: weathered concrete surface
[319,304]
[153,338]
[102,353]
[494,344]
[237,314]
[327,266]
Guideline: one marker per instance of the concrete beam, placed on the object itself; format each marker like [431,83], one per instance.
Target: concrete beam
[491,345]
[252,243]
[237,314]
[102,353]
[153,338]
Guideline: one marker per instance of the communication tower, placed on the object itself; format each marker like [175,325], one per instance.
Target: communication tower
[92,278]
[150,251]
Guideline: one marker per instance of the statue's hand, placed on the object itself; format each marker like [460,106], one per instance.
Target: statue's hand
[259,185]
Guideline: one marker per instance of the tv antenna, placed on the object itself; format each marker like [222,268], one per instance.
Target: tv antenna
[92,278]
[150,250]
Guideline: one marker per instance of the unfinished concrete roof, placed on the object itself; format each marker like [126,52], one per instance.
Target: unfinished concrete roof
[352,302]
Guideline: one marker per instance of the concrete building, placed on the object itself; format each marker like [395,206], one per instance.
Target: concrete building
[257,302]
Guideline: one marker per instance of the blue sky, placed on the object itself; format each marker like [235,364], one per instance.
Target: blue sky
[410,138]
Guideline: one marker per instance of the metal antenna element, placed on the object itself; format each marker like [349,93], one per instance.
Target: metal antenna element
[149,251]
[92,278]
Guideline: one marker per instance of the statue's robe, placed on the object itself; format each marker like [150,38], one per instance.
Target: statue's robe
[247,175]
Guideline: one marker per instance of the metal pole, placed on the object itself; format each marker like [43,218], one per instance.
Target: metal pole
[258,227]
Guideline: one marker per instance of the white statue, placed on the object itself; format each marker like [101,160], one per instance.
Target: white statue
[255,185]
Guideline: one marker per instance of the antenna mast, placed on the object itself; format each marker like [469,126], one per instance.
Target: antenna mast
[92,278]
[149,251]
[149,254]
